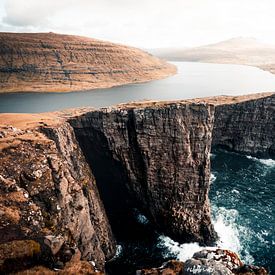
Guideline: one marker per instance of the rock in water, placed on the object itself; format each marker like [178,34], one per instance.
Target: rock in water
[206,262]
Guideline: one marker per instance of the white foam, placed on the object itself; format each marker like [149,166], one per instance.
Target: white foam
[235,191]
[224,225]
[228,232]
[267,162]
[212,178]
[118,251]
[231,233]
[182,252]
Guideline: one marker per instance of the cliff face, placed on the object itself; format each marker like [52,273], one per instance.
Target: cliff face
[153,156]
[247,127]
[51,62]
[159,158]
[49,195]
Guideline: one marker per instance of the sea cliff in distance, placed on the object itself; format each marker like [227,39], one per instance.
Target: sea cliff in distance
[50,62]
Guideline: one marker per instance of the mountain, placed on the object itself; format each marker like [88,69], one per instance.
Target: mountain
[240,50]
[54,63]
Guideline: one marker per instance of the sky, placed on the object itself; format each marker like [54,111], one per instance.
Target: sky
[144,23]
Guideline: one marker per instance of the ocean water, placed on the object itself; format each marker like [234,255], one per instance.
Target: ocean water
[243,207]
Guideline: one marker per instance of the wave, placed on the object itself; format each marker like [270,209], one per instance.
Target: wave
[231,236]
[267,162]
[182,252]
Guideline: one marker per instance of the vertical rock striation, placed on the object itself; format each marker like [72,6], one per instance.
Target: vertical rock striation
[48,194]
[247,127]
[158,156]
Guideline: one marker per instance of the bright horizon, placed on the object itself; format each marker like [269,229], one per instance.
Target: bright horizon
[144,23]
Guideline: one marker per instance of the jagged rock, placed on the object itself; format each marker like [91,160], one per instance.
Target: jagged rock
[212,262]
[54,62]
[229,259]
[206,262]
[61,215]
[251,270]
[54,242]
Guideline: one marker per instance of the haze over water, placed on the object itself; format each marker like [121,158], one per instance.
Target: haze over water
[192,80]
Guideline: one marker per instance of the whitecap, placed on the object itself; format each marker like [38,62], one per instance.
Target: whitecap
[235,191]
[212,178]
[182,252]
[119,251]
[267,162]
[229,233]
[225,226]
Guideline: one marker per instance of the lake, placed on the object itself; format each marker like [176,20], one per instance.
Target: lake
[193,80]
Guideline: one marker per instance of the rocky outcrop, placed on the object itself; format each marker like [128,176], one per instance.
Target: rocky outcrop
[49,200]
[49,62]
[206,262]
[246,127]
[159,158]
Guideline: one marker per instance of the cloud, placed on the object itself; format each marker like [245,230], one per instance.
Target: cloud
[145,23]
[29,13]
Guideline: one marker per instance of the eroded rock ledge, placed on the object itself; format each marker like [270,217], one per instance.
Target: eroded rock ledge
[153,156]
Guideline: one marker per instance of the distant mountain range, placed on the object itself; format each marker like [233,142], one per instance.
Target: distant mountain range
[240,50]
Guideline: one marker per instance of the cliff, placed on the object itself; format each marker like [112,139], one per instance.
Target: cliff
[49,203]
[246,127]
[49,62]
[57,168]
[159,158]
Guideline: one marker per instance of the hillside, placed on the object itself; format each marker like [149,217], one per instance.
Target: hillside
[49,62]
[240,50]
